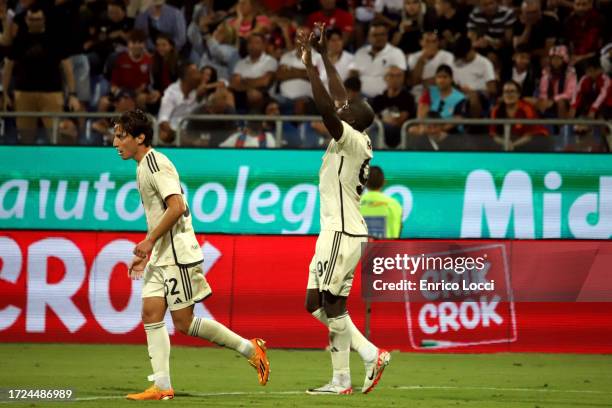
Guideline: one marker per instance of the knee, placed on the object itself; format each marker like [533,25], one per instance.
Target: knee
[311,306]
[337,325]
[182,324]
[150,316]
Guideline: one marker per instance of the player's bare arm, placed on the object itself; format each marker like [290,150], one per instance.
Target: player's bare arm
[175,209]
[336,87]
[323,101]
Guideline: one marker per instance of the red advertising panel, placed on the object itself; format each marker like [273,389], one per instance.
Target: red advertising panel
[73,287]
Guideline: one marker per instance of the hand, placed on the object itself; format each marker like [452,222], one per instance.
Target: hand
[592,115]
[7,103]
[144,248]
[153,97]
[73,103]
[303,47]
[321,45]
[137,267]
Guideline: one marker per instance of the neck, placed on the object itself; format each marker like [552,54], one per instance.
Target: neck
[511,109]
[449,13]
[446,91]
[134,57]
[142,153]
[185,88]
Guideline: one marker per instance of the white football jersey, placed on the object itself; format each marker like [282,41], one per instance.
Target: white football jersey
[158,179]
[342,179]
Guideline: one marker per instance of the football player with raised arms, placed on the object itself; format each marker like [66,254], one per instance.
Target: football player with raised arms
[342,179]
[170,260]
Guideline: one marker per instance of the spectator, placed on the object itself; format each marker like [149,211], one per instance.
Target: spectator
[219,51]
[250,136]
[557,84]
[39,65]
[394,106]
[490,29]
[341,58]
[364,13]
[372,61]
[101,130]
[203,23]
[165,63]
[211,132]
[474,74]
[416,18]
[333,17]
[442,97]
[249,20]
[293,85]
[253,75]
[584,29]
[381,212]
[280,38]
[389,11]
[593,97]
[522,72]
[108,35]
[423,64]
[180,100]
[291,131]
[534,30]
[606,58]
[523,137]
[451,21]
[162,18]
[210,83]
[132,71]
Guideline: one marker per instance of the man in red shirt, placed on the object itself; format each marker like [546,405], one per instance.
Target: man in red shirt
[593,96]
[132,71]
[584,29]
[333,17]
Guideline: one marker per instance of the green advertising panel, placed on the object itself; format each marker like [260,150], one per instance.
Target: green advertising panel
[444,195]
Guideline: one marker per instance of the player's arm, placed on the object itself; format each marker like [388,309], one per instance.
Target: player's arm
[175,208]
[336,86]
[323,101]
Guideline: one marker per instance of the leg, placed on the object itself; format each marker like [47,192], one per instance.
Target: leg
[26,102]
[51,102]
[186,286]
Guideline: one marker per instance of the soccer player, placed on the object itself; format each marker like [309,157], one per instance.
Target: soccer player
[342,178]
[170,260]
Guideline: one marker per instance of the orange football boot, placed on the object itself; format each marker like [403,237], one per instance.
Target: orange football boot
[152,393]
[260,361]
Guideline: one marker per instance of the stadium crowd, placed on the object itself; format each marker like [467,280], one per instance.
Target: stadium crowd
[410,58]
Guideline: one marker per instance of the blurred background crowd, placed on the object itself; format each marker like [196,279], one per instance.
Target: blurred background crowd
[520,59]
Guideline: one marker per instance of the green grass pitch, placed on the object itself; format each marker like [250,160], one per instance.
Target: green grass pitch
[212,377]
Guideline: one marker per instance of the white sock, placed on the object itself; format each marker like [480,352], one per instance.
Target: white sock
[340,342]
[359,343]
[158,343]
[214,331]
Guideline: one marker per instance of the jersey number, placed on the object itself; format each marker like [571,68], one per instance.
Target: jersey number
[321,267]
[172,291]
[364,172]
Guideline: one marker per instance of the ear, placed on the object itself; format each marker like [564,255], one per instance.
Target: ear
[140,138]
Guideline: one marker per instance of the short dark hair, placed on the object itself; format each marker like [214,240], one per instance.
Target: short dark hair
[379,22]
[353,84]
[136,123]
[523,49]
[446,69]
[182,68]
[592,62]
[462,47]
[118,3]
[137,36]
[166,37]
[376,179]
[363,114]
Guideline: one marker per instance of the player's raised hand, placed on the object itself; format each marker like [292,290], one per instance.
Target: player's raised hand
[320,43]
[137,267]
[303,47]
